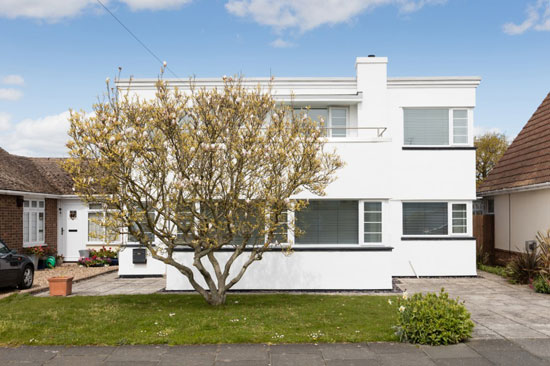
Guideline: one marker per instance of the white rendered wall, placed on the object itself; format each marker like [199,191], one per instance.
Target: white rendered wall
[153,267]
[519,216]
[313,270]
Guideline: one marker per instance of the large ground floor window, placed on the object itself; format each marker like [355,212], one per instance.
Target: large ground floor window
[328,222]
[434,218]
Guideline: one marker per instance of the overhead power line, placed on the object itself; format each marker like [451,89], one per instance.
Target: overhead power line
[137,39]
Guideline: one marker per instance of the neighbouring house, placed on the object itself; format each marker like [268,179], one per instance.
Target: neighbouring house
[30,193]
[401,206]
[518,188]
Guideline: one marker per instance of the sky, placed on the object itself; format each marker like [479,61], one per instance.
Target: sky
[56,54]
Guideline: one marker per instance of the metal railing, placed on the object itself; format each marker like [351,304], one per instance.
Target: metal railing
[331,131]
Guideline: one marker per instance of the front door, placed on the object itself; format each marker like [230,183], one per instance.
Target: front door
[73,229]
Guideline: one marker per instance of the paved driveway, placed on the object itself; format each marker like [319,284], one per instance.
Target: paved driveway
[111,284]
[499,309]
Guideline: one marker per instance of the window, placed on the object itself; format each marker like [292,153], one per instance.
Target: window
[97,231]
[3,249]
[460,126]
[328,222]
[460,222]
[431,126]
[33,222]
[338,121]
[145,226]
[425,218]
[333,120]
[372,222]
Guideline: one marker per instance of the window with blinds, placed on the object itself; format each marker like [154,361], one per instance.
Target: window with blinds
[426,126]
[328,222]
[425,218]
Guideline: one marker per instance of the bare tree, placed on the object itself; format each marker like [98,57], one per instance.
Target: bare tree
[202,170]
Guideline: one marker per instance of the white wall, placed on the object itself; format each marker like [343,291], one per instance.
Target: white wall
[519,216]
[153,267]
[300,271]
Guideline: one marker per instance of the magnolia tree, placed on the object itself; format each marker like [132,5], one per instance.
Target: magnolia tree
[201,170]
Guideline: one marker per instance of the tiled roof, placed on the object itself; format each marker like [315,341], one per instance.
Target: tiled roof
[37,175]
[527,160]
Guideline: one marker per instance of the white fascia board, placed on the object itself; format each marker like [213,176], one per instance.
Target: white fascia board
[531,187]
[434,82]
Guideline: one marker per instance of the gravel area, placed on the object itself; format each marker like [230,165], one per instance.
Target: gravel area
[67,269]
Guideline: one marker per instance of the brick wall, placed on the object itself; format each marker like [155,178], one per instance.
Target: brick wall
[51,223]
[11,222]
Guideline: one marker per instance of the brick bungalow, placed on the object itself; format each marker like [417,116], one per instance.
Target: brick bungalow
[30,189]
[519,186]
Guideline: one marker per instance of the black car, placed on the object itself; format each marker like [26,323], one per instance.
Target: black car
[15,269]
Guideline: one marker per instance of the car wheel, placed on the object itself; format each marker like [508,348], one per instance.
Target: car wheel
[28,278]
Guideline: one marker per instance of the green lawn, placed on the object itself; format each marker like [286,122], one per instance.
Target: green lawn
[187,319]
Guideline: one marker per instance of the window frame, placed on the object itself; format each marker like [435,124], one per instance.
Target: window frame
[383,210]
[38,208]
[328,124]
[451,143]
[450,233]
[104,212]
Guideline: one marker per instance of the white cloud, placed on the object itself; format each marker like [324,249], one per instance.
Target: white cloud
[53,10]
[10,94]
[45,136]
[13,80]
[309,14]
[4,121]
[538,18]
[281,43]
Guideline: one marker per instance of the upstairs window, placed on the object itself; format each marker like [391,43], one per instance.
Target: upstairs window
[333,120]
[435,126]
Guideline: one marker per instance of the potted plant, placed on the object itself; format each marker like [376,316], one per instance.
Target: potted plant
[35,253]
[61,286]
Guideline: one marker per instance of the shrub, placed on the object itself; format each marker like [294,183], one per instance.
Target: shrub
[541,284]
[432,319]
[523,267]
[104,253]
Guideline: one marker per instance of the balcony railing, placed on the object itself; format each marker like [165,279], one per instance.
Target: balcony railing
[354,132]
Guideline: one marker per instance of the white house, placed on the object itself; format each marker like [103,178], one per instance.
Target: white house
[401,206]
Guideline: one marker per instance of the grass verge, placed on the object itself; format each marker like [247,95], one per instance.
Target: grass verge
[187,319]
[498,270]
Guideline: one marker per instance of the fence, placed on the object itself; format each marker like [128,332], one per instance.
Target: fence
[484,232]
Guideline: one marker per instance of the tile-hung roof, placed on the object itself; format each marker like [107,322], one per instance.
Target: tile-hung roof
[36,175]
[527,160]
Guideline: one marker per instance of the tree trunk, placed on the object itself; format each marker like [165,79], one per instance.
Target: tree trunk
[216,299]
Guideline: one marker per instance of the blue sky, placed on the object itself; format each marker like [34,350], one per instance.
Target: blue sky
[56,54]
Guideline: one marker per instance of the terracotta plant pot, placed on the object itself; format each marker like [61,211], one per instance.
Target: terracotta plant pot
[61,286]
